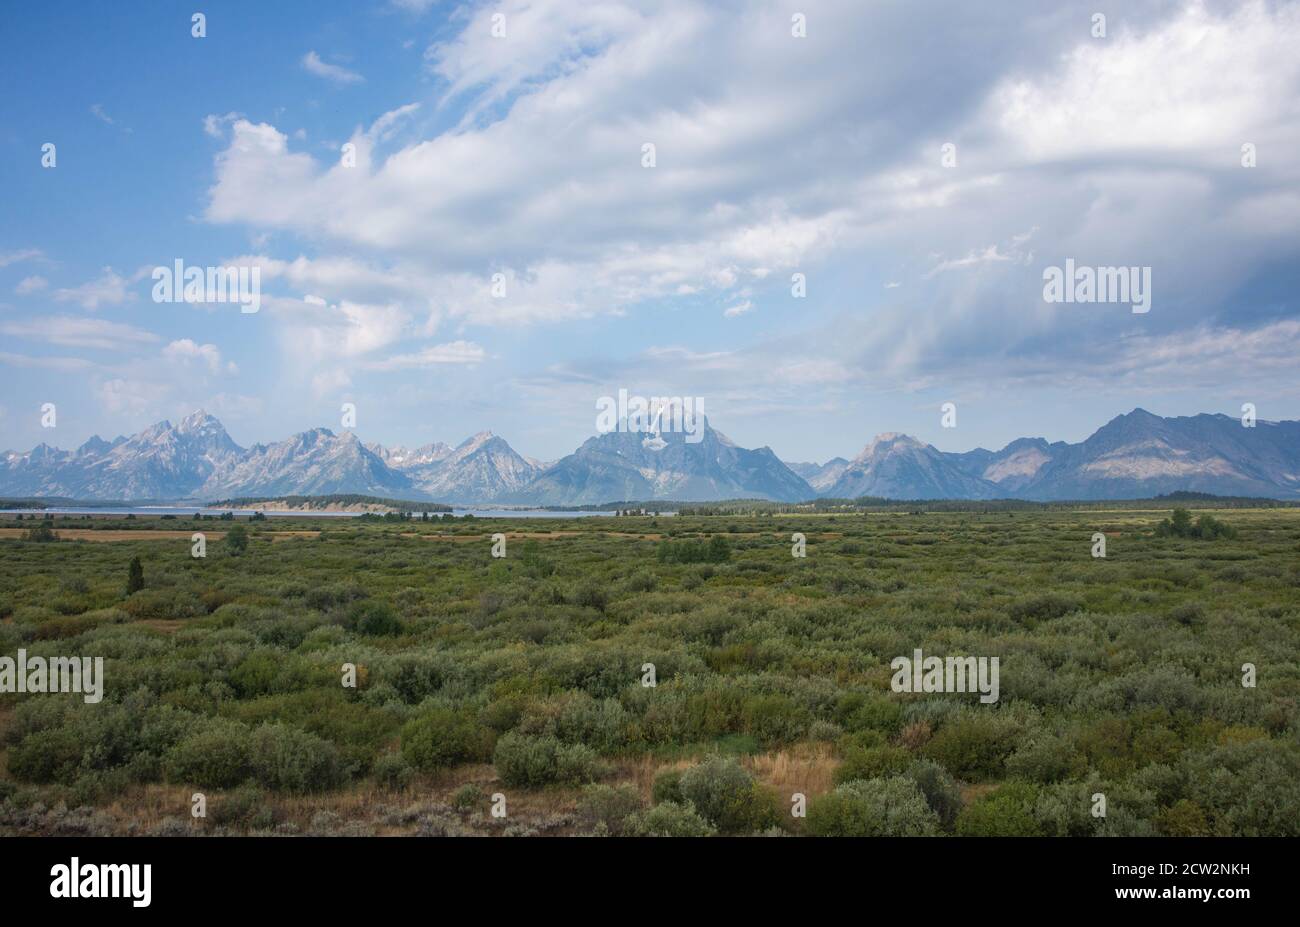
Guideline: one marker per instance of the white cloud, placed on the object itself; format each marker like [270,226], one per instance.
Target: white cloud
[990,254]
[819,155]
[65,364]
[134,397]
[455,352]
[340,276]
[330,382]
[414,6]
[31,284]
[24,254]
[383,127]
[343,330]
[544,39]
[97,110]
[186,350]
[71,331]
[214,125]
[1195,88]
[313,64]
[108,290]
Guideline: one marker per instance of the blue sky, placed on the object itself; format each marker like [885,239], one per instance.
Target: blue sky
[522,155]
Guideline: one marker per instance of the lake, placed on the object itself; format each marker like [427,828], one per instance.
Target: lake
[184,512]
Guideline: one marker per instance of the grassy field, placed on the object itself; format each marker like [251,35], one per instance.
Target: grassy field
[509,695]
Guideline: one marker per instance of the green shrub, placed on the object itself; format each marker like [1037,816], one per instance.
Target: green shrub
[268,671]
[1155,744]
[442,738]
[667,787]
[166,604]
[1206,528]
[1044,607]
[1008,811]
[591,595]
[373,619]
[533,761]
[1179,524]
[1183,819]
[727,796]
[393,770]
[776,719]
[534,564]
[134,576]
[715,550]
[1106,743]
[893,807]
[327,596]
[466,798]
[1209,528]
[286,759]
[872,763]
[859,711]
[40,533]
[670,819]
[240,806]
[576,764]
[236,540]
[642,581]
[599,723]
[972,747]
[1046,759]
[47,756]
[502,714]
[609,807]
[1249,789]
[216,755]
[941,791]
[414,677]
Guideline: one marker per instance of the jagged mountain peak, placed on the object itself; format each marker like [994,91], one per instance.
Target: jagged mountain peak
[894,465]
[312,436]
[94,446]
[475,441]
[890,441]
[198,420]
[722,439]
[154,432]
[401,457]
[1137,454]
[820,476]
[636,465]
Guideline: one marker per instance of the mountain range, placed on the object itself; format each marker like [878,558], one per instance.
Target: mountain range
[1136,455]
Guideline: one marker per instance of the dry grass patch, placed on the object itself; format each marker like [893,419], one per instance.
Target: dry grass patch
[808,768]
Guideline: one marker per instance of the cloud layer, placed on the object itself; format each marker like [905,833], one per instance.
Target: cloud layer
[635,185]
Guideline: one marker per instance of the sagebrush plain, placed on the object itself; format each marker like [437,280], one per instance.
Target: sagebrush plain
[511,695]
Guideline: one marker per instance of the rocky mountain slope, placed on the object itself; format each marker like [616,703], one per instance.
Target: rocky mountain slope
[622,465]
[1136,455]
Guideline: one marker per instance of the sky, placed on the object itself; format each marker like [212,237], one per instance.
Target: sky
[919,165]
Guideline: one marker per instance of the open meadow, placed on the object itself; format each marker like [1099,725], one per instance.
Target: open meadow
[656,675]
